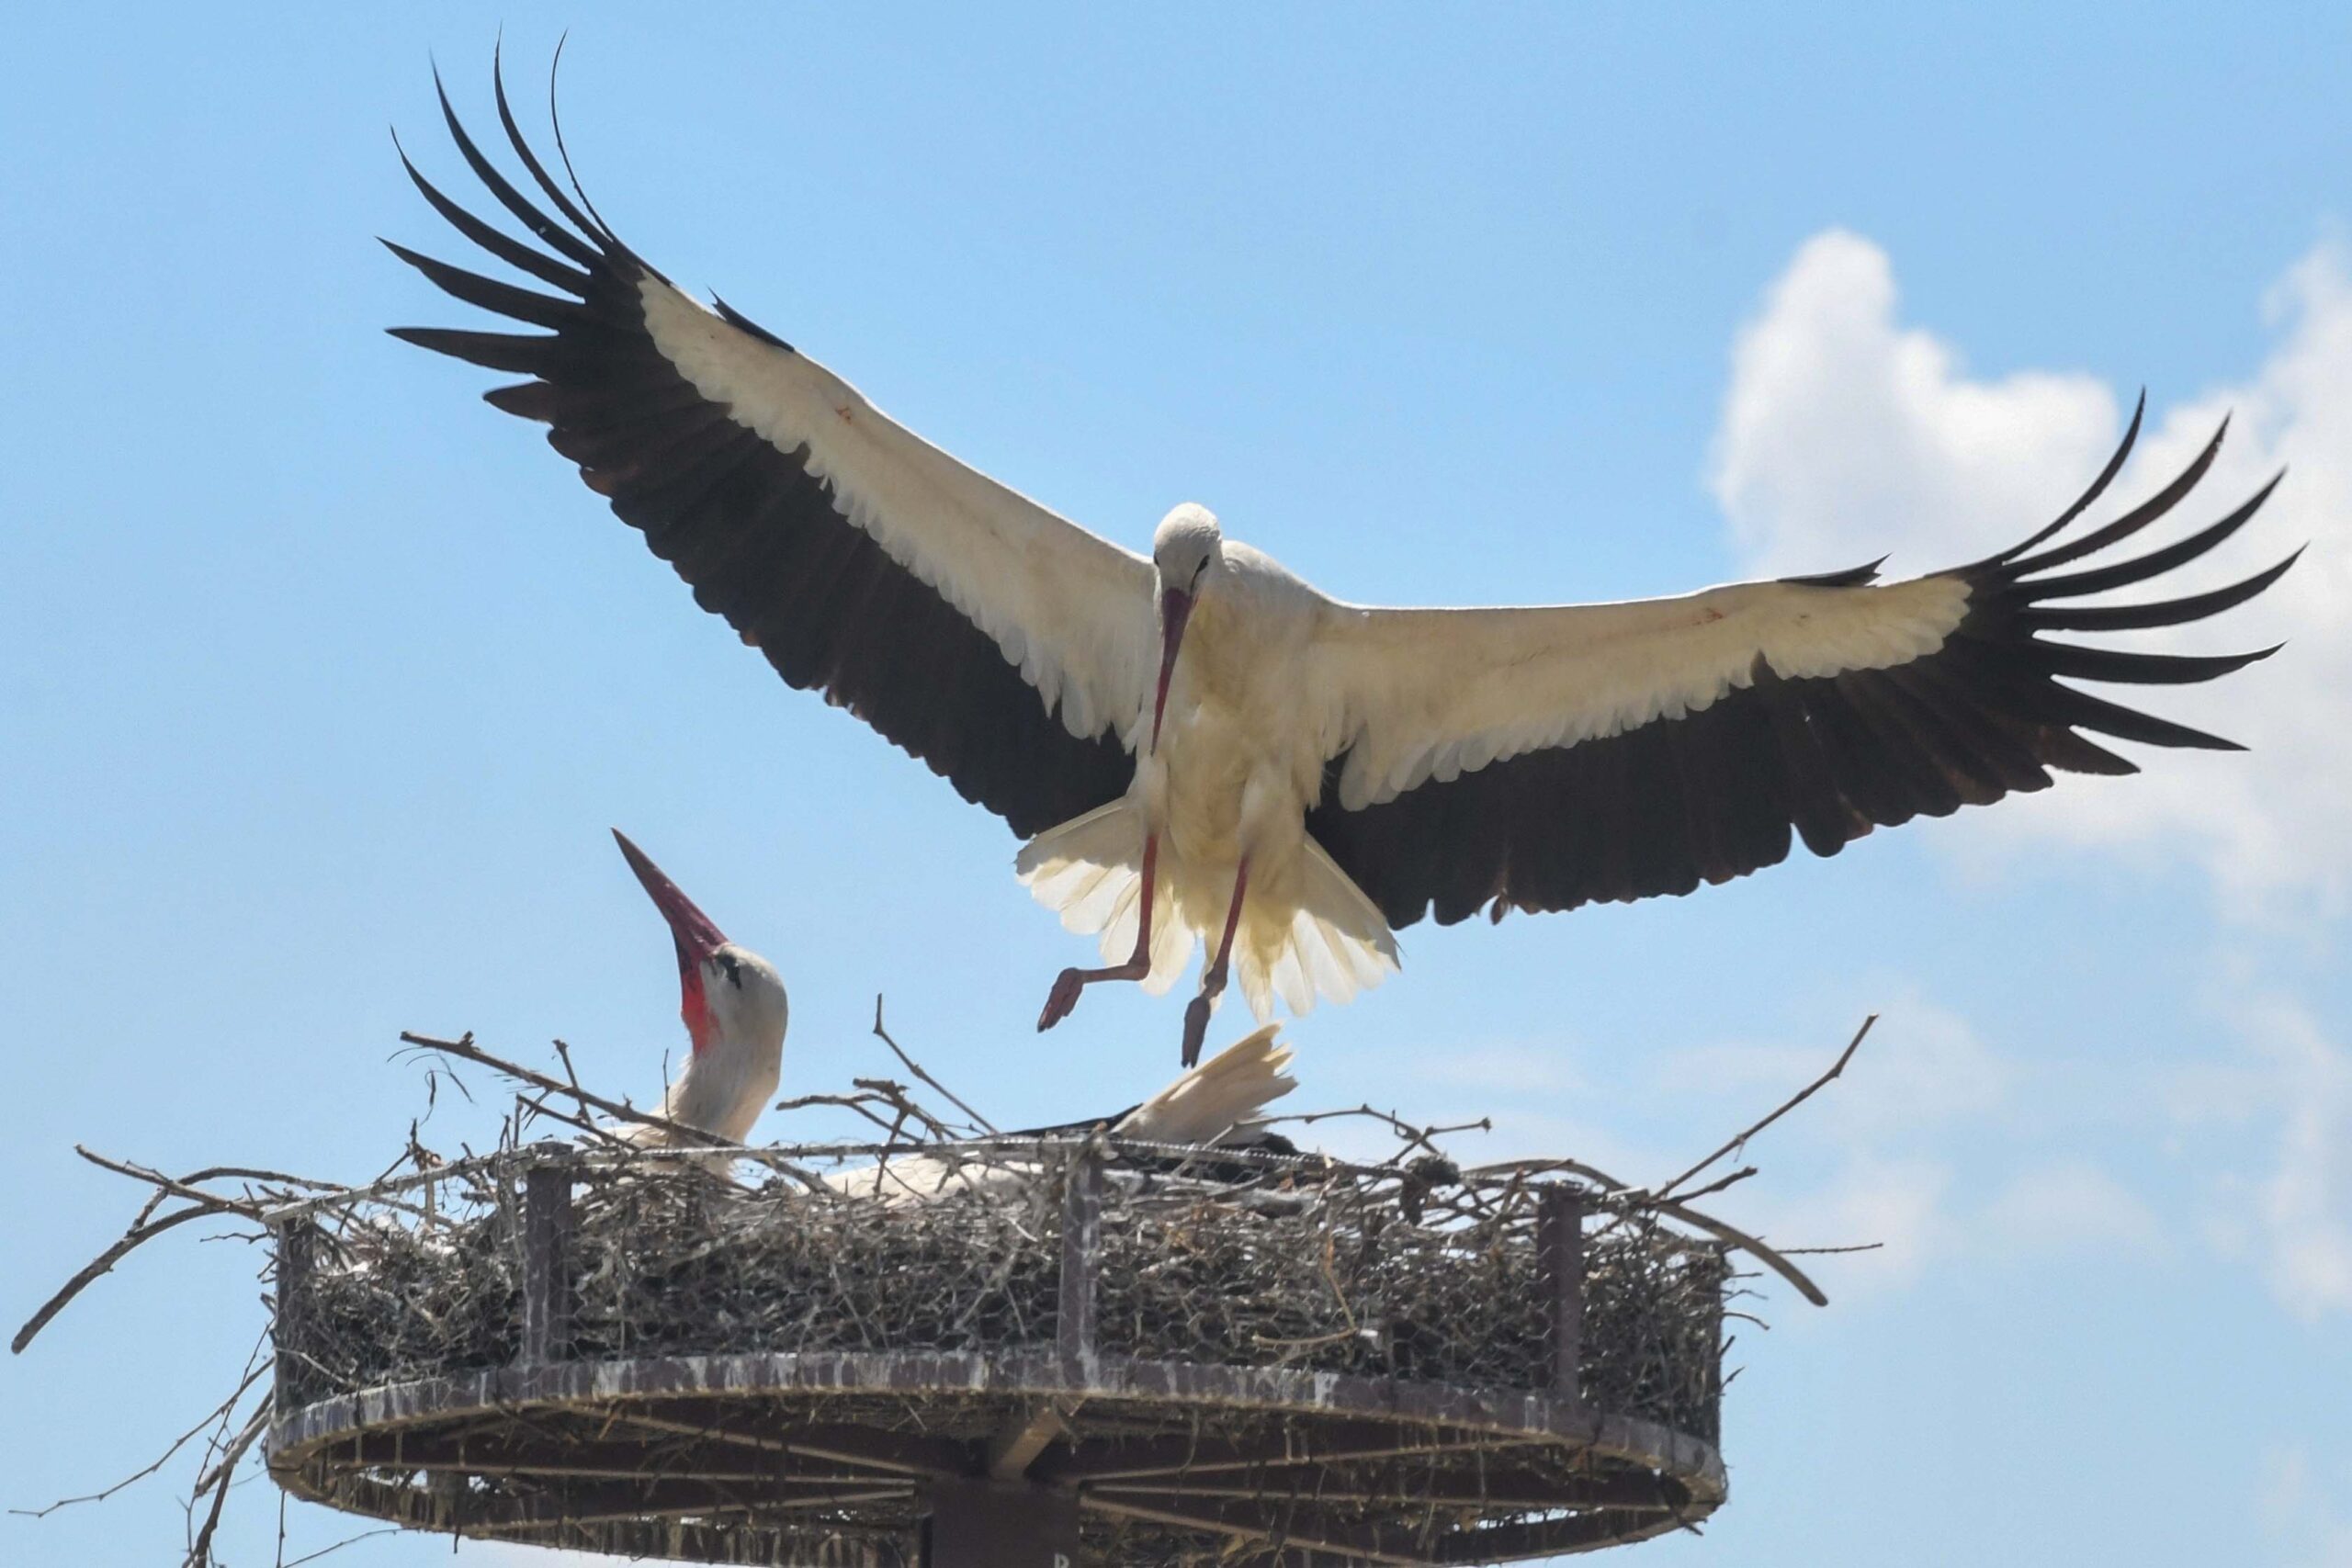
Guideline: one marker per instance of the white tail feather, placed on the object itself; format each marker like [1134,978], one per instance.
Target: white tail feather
[1089,869]
[1217,1096]
[1324,938]
[1332,944]
[1204,1105]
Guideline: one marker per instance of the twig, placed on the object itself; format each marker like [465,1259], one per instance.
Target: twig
[465,1049]
[1771,1258]
[916,1068]
[223,1172]
[199,1554]
[338,1546]
[1711,1187]
[894,1096]
[563,1054]
[1785,1107]
[857,1102]
[215,1414]
[103,1263]
[177,1188]
[1825,1251]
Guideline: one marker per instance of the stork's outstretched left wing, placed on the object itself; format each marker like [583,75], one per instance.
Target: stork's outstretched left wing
[1539,759]
[1001,643]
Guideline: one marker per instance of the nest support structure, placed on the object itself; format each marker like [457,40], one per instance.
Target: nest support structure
[1083,1355]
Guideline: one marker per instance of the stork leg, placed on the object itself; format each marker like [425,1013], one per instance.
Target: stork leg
[1069,983]
[1213,978]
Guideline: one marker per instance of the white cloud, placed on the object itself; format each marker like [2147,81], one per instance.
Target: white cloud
[2305,1204]
[2069,1205]
[1846,434]
[1922,1066]
[1898,1208]
[2289,1208]
[2304,1515]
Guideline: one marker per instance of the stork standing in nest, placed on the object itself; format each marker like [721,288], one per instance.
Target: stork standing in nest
[733,1004]
[1197,745]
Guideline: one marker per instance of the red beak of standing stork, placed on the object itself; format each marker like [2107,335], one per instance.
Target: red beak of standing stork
[735,1012]
[1201,746]
[697,938]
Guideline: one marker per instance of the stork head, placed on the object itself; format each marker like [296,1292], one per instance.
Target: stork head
[1187,552]
[727,994]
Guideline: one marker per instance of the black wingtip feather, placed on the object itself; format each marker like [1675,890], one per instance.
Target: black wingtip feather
[735,318]
[2083,501]
[488,293]
[525,400]
[1851,577]
[2161,613]
[518,353]
[563,151]
[2123,574]
[554,193]
[2132,521]
[549,231]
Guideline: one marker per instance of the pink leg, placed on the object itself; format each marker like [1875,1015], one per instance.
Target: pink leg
[1069,983]
[1196,1014]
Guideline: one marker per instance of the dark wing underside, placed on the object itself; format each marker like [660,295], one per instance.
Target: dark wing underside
[1716,794]
[759,537]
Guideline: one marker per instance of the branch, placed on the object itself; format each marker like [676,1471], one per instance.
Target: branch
[916,1068]
[464,1049]
[219,1411]
[102,1264]
[199,1555]
[1771,1258]
[164,1184]
[1785,1107]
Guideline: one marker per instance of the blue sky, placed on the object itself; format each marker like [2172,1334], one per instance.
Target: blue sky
[321,683]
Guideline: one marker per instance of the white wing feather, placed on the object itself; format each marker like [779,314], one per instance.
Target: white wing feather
[1426,695]
[1071,610]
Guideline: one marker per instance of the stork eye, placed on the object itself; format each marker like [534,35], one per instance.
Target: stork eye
[734,968]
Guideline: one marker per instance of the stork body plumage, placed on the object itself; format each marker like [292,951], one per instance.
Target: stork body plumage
[1200,747]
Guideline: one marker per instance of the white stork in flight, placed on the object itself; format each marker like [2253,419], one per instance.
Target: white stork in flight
[735,1011]
[1196,743]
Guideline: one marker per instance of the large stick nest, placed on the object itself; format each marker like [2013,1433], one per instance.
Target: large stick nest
[1248,1262]
[1300,1263]
[738,1361]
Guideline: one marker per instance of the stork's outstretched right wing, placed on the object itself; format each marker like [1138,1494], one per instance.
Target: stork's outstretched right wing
[1542,758]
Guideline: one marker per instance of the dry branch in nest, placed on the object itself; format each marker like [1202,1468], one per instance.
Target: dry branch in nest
[1412,1270]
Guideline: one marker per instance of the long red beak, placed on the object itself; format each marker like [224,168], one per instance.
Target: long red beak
[1175,608]
[691,930]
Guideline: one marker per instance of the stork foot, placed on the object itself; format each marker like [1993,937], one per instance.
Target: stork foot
[1068,985]
[1196,1029]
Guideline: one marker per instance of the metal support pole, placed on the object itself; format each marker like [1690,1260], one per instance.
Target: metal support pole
[1718,1276]
[1559,1273]
[1082,1248]
[989,1523]
[547,1264]
[298,1244]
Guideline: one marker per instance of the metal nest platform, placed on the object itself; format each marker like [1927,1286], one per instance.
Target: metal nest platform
[1073,1353]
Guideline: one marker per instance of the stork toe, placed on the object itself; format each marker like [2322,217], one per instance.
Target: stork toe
[1196,1029]
[1063,999]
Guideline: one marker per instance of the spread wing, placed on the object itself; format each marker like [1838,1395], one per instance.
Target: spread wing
[1004,645]
[1539,759]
